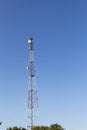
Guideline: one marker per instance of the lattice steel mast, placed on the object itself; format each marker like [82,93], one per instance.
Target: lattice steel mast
[32,90]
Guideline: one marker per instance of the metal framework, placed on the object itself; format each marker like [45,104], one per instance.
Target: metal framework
[32,90]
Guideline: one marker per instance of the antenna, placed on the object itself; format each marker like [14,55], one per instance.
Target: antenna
[32,90]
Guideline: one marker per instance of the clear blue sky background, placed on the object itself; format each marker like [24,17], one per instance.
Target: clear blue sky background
[59,28]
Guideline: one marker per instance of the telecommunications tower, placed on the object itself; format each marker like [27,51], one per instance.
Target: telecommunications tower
[32,90]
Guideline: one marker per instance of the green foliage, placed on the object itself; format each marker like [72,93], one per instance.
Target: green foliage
[56,127]
[15,128]
[51,127]
[23,129]
[41,128]
[36,128]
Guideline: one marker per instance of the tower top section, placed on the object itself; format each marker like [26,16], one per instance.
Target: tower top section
[30,41]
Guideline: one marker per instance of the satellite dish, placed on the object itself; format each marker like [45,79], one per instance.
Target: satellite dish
[30,40]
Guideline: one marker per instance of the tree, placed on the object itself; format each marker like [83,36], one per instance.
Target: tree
[15,128]
[51,127]
[56,127]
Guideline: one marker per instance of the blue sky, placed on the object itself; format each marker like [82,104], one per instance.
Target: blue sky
[59,29]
